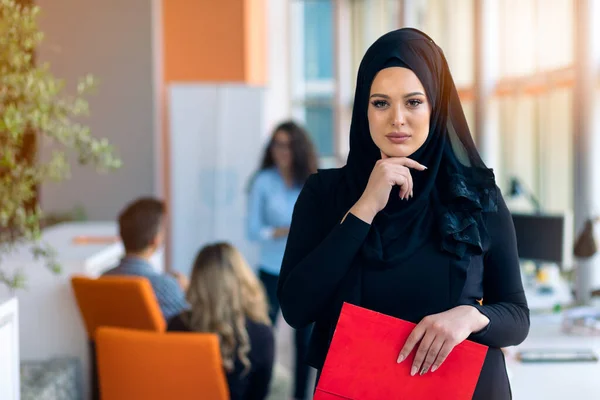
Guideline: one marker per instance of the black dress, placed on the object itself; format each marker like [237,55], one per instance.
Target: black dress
[321,253]
[253,385]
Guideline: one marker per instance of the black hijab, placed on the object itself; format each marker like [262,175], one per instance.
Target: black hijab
[450,196]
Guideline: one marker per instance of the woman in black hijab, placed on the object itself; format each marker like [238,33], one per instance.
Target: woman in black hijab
[412,226]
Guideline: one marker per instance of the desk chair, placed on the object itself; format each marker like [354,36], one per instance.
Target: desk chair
[116,301]
[135,364]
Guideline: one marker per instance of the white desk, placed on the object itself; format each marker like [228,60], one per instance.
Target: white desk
[561,295]
[554,381]
[49,321]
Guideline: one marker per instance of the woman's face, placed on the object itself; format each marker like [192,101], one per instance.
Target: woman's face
[281,150]
[398,112]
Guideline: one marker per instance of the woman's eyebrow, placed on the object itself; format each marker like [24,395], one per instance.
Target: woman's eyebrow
[385,96]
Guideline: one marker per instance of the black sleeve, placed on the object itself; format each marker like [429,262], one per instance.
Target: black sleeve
[263,345]
[504,301]
[316,257]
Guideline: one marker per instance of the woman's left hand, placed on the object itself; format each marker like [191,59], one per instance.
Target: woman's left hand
[438,334]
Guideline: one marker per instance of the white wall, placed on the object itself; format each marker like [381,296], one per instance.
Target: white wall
[215,144]
[277,105]
[114,41]
[217,135]
[9,349]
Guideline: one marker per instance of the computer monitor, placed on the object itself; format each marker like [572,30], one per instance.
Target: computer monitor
[545,238]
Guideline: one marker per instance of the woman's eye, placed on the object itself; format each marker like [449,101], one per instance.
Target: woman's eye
[414,103]
[379,103]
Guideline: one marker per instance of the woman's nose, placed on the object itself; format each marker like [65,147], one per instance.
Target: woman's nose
[398,117]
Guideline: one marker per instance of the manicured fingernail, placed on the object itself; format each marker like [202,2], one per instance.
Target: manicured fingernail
[413,371]
[423,370]
[425,167]
[400,358]
[433,368]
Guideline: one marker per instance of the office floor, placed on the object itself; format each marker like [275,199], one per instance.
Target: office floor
[284,337]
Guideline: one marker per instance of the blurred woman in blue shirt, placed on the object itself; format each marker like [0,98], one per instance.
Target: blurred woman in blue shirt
[288,161]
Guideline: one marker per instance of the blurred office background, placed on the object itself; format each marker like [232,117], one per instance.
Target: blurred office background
[527,73]
[190,91]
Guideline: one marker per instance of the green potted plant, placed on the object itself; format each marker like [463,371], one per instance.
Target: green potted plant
[36,108]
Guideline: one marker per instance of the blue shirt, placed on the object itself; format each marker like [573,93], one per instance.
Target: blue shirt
[270,206]
[169,294]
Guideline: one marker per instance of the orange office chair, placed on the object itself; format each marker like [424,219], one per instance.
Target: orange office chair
[146,365]
[117,301]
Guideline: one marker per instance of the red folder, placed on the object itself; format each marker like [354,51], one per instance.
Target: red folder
[361,363]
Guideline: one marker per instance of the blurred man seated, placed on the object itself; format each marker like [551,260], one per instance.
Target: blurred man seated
[142,231]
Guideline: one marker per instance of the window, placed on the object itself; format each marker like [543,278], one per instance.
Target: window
[531,58]
[329,38]
[536,98]
[313,86]
[451,26]
[368,20]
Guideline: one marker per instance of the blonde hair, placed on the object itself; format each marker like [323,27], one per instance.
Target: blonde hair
[223,292]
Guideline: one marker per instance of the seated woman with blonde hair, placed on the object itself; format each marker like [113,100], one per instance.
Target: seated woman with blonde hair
[227,299]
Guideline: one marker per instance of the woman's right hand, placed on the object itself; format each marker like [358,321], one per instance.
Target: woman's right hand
[388,171]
